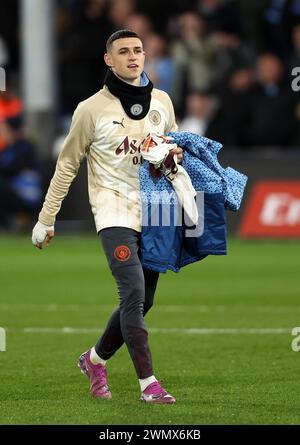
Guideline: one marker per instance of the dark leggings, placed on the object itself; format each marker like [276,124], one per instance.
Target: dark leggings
[136,288]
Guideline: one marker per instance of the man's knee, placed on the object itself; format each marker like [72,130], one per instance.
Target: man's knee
[132,292]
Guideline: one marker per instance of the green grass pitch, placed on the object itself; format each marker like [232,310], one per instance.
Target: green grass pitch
[220,334]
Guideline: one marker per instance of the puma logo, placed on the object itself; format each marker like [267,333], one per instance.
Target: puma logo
[119,123]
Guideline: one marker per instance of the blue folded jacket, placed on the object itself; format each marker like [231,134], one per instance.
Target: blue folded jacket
[168,241]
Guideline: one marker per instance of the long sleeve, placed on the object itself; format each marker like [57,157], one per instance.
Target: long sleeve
[75,147]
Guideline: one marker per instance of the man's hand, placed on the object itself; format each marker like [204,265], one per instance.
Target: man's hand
[179,152]
[42,235]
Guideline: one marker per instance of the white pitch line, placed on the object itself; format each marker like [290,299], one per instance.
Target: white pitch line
[39,307]
[191,331]
[11,307]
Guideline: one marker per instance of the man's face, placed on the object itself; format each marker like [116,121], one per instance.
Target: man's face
[126,58]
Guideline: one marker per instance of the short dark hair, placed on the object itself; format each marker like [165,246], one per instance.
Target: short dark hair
[121,34]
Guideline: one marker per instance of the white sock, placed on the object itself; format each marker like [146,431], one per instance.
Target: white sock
[146,382]
[95,359]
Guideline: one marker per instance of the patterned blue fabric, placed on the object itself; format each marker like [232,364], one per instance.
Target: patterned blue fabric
[201,163]
[169,241]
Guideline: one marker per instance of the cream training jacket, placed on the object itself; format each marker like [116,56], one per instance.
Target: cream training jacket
[111,141]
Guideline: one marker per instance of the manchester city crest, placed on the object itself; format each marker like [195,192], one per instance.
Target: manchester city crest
[136,109]
[154,117]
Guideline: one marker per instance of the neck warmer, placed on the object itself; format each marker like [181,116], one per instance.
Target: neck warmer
[135,100]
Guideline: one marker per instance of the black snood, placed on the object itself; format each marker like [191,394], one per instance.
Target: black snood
[135,100]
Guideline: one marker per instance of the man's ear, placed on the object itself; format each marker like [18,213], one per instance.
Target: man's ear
[107,60]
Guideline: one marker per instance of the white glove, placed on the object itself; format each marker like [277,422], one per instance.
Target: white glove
[40,232]
[156,148]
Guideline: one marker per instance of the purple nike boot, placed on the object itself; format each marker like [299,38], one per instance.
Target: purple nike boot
[154,393]
[97,375]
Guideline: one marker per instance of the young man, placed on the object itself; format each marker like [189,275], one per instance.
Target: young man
[109,128]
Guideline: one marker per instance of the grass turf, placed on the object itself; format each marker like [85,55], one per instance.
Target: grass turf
[217,378]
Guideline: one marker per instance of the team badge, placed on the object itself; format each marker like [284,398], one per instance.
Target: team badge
[122,253]
[136,109]
[154,117]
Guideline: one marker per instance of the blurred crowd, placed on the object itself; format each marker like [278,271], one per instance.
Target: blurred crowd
[225,63]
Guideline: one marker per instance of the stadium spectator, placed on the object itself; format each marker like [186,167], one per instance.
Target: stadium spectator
[280,18]
[294,57]
[159,65]
[232,122]
[220,15]
[10,106]
[234,54]
[274,105]
[200,110]
[80,47]
[20,178]
[120,11]
[195,56]
[251,19]
[139,23]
